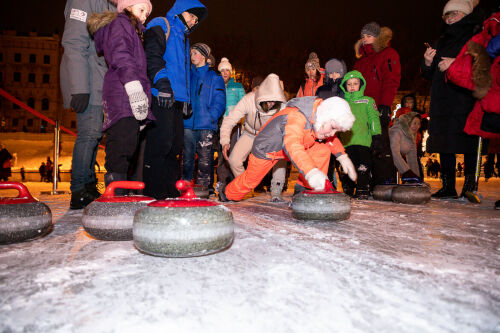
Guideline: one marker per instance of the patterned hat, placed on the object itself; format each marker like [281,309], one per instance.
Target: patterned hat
[312,62]
[202,48]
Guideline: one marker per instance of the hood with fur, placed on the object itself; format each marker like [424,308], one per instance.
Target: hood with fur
[270,91]
[382,42]
[97,21]
[403,123]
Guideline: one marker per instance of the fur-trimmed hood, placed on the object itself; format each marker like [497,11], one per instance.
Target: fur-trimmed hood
[97,21]
[404,122]
[382,42]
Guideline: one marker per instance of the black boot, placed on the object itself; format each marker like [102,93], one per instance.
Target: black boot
[92,189]
[469,189]
[114,177]
[80,199]
[348,186]
[448,190]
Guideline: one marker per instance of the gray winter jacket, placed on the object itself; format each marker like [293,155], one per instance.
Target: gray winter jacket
[82,70]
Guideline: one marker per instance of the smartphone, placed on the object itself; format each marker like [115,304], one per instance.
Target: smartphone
[427,45]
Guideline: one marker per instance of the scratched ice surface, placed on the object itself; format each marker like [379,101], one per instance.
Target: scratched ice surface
[389,268]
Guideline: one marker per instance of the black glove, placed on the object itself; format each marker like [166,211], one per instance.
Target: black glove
[376,146]
[410,177]
[165,93]
[385,115]
[79,102]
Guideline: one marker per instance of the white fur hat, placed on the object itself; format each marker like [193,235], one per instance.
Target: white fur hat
[225,64]
[336,109]
[464,6]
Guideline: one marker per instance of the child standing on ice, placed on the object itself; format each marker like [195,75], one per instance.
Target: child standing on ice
[358,140]
[126,90]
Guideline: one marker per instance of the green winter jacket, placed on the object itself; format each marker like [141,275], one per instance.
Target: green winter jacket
[367,121]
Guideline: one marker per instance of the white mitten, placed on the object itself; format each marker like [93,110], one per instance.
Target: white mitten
[138,99]
[347,166]
[316,178]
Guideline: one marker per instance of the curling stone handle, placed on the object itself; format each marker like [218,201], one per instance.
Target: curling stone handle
[24,193]
[328,186]
[129,185]
[186,190]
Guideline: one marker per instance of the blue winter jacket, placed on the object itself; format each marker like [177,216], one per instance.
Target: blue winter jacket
[176,56]
[208,99]
[234,92]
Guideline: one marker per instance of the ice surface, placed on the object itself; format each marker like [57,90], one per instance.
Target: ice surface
[389,268]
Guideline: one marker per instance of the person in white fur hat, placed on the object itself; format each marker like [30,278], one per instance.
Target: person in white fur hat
[234,90]
[304,133]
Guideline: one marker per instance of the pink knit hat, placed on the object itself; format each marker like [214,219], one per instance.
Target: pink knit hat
[122,4]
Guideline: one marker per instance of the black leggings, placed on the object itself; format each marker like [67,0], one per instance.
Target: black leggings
[449,163]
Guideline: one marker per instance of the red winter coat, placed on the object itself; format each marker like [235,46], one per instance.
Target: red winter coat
[380,66]
[466,72]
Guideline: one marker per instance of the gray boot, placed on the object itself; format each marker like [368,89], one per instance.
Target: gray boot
[276,189]
[114,177]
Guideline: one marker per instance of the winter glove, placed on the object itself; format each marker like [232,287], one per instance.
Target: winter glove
[377,146]
[138,99]
[316,178]
[165,93]
[410,177]
[79,102]
[347,166]
[385,115]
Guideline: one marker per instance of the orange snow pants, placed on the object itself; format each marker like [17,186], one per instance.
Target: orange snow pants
[258,168]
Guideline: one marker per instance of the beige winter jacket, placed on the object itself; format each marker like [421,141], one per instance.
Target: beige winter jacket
[249,107]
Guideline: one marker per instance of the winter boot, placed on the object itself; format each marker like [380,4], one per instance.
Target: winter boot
[92,189]
[114,177]
[470,188]
[276,188]
[448,190]
[348,186]
[80,199]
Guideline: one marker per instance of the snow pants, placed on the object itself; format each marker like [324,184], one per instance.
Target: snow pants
[258,167]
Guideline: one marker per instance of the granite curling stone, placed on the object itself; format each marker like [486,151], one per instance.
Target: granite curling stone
[183,227]
[22,217]
[414,194]
[111,217]
[321,205]
[383,192]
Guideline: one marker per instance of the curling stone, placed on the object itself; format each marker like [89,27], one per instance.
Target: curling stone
[111,217]
[22,217]
[383,192]
[183,227]
[414,194]
[321,205]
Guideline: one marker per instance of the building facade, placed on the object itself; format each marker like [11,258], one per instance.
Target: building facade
[29,70]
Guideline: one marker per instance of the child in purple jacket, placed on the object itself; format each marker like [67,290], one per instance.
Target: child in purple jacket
[126,90]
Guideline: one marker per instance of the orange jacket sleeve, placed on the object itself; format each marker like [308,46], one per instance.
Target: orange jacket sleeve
[294,142]
[336,147]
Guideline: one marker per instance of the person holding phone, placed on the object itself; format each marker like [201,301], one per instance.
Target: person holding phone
[450,105]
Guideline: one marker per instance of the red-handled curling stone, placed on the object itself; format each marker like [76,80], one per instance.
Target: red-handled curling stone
[414,194]
[183,227]
[22,217]
[321,205]
[111,217]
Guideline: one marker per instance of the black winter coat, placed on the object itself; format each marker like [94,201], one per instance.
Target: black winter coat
[450,104]
[330,89]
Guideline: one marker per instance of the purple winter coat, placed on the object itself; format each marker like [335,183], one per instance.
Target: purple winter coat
[116,38]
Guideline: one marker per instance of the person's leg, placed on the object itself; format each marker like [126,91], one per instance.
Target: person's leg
[240,152]
[205,156]
[121,142]
[278,180]
[164,141]
[348,185]
[448,162]
[89,125]
[363,169]
[188,154]
[470,184]
[256,170]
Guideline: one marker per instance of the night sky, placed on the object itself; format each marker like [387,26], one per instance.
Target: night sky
[260,37]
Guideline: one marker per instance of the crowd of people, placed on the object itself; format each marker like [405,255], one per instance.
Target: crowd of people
[166,107]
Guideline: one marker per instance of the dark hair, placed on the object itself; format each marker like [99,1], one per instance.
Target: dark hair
[135,22]
[317,77]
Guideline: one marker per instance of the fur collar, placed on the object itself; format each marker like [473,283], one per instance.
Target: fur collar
[97,21]
[382,42]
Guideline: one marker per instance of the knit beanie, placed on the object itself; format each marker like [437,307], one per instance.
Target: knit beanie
[122,4]
[202,48]
[335,66]
[336,109]
[199,12]
[464,6]
[225,64]
[372,29]
[312,62]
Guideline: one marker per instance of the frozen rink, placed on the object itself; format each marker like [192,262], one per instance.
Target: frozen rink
[389,268]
